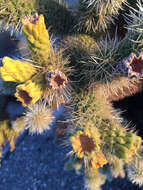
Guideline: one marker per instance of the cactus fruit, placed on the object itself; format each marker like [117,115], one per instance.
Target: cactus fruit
[53,84]
[96,15]
[16,70]
[38,37]
[38,118]
[28,93]
[56,85]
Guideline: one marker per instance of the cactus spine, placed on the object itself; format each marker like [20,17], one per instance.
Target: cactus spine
[97,14]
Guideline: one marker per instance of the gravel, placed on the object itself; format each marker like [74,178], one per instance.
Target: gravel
[38,164]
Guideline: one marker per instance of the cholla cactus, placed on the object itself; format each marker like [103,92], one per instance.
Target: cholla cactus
[100,64]
[36,83]
[98,141]
[96,14]
[100,144]
[94,137]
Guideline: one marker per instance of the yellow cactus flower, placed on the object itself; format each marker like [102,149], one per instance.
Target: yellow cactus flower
[85,143]
[98,160]
[37,35]
[16,70]
[28,93]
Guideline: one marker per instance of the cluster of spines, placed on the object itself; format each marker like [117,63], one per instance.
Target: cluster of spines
[95,113]
[113,143]
[96,15]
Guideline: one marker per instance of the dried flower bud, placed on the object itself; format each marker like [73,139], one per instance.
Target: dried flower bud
[56,79]
[134,65]
[30,19]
